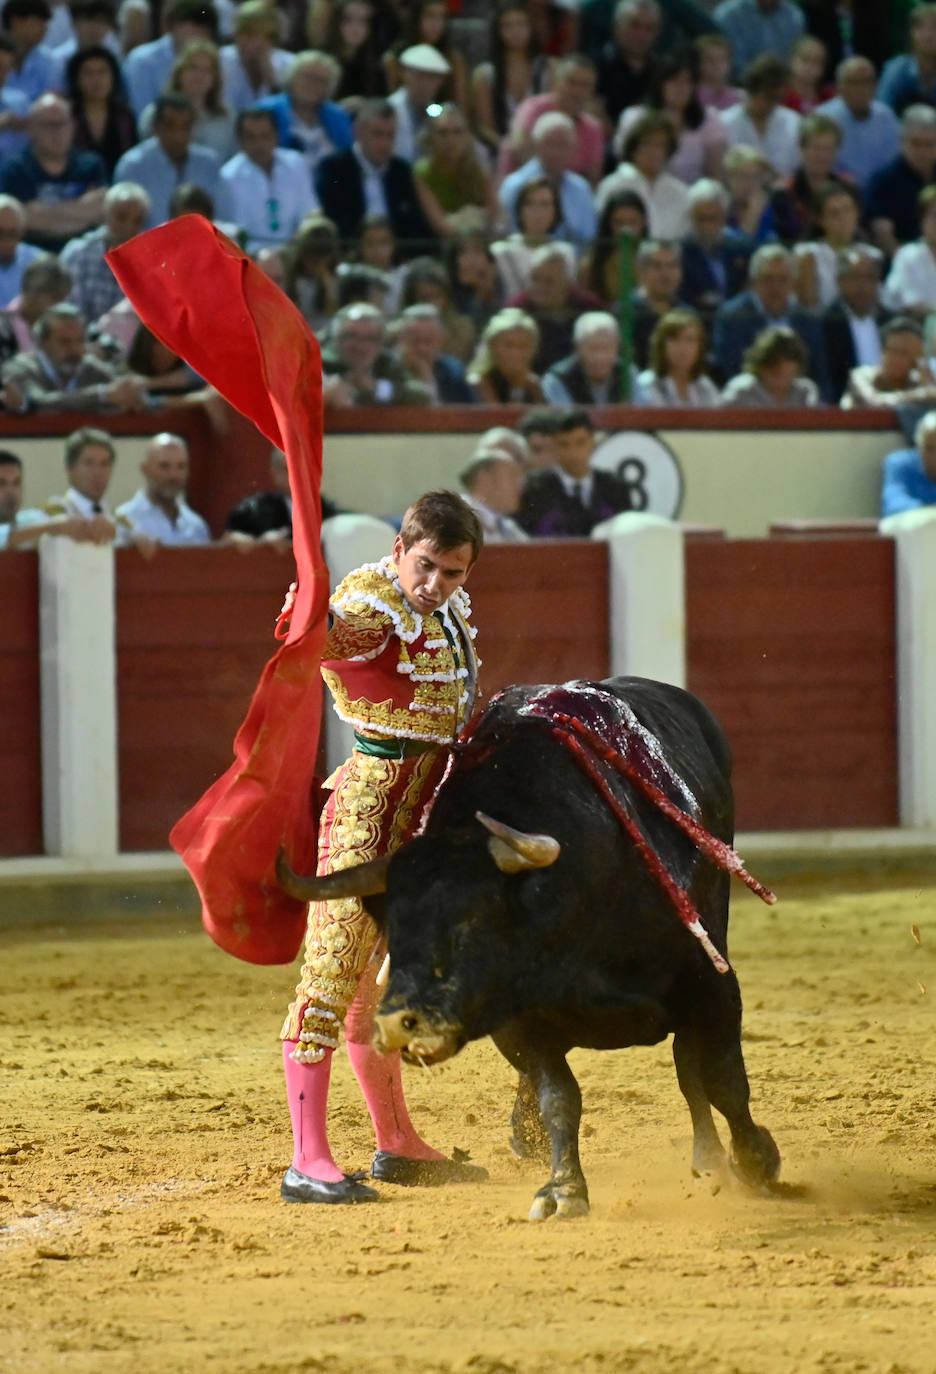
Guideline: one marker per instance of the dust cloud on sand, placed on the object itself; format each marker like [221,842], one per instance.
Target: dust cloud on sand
[144,1133]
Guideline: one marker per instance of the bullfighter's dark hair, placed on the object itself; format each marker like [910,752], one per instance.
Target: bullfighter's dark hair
[574,418]
[77,442]
[444,520]
[10,460]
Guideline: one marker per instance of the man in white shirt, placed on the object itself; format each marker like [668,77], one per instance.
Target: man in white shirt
[159,509]
[423,69]
[492,486]
[20,527]
[268,189]
[761,121]
[89,462]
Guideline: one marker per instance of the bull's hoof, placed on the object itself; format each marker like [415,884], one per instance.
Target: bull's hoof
[558,1202]
[709,1161]
[757,1165]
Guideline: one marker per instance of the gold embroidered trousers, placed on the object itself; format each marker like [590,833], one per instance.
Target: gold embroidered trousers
[374,807]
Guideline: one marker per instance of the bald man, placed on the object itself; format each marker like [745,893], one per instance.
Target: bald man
[159,508]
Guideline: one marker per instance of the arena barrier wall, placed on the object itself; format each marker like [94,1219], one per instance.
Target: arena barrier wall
[792,641]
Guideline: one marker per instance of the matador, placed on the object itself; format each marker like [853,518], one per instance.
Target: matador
[401,668]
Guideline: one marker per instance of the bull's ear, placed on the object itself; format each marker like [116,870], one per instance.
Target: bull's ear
[363,880]
[515,851]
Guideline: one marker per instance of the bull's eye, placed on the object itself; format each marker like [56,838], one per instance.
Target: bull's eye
[409,1022]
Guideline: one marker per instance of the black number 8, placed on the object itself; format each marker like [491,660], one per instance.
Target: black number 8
[633,473]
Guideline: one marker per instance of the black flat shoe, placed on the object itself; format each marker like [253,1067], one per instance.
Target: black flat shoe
[297,1187]
[425,1173]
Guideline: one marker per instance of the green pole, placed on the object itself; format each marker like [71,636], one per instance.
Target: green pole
[627,255]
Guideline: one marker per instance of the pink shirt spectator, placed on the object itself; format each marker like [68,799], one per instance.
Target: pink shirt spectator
[21,330]
[589,147]
[719,100]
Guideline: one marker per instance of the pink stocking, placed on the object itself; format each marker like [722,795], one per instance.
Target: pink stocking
[307,1093]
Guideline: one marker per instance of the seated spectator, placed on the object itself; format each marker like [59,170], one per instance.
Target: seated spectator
[714,257]
[492,485]
[369,179]
[147,68]
[189,199]
[769,300]
[893,195]
[553,146]
[45,283]
[311,283]
[501,369]
[126,208]
[162,372]
[591,374]
[600,270]
[265,517]
[911,282]
[60,189]
[516,70]
[477,292]
[554,301]
[537,212]
[159,508]
[14,107]
[757,27]
[454,189]
[90,458]
[509,441]
[428,283]
[761,121]
[626,61]
[714,56]
[308,119]
[358,369]
[420,340]
[572,92]
[748,175]
[793,205]
[852,322]
[676,375]
[838,210]
[15,255]
[773,373]
[537,428]
[647,149]
[89,24]
[163,162]
[35,68]
[266,189]
[901,377]
[429,22]
[253,65]
[424,71]
[352,40]
[569,500]
[360,284]
[808,87]
[196,74]
[63,374]
[659,279]
[700,138]
[104,122]
[377,247]
[910,473]
[870,129]
[20,528]
[910,78]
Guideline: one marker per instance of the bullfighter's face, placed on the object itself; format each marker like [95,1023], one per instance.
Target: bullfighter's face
[429,575]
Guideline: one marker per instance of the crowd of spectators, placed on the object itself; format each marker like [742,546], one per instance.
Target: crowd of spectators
[669,202]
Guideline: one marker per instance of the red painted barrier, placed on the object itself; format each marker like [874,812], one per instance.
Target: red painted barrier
[21,793]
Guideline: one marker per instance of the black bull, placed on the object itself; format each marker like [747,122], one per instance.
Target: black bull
[547,928]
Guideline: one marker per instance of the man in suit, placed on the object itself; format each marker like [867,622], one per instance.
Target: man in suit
[368,179]
[768,301]
[851,323]
[714,258]
[569,500]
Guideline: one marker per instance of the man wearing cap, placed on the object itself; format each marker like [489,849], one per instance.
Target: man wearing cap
[423,69]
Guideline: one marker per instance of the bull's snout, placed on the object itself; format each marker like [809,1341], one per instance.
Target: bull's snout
[420,1041]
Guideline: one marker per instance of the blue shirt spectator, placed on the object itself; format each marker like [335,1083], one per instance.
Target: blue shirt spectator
[911,78]
[146,69]
[910,473]
[579,219]
[169,159]
[869,141]
[759,26]
[892,198]
[15,256]
[54,183]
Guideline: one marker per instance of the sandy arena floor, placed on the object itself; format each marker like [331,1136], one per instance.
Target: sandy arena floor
[144,1133]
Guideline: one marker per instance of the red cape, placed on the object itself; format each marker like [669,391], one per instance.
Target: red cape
[215,308]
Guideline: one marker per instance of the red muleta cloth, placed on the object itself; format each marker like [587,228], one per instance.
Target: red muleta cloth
[215,308]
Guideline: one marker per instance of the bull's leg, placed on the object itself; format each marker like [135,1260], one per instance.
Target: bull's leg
[528,1137]
[708,1153]
[560,1105]
[755,1156]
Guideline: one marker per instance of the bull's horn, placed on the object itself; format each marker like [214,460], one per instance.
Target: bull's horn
[515,850]
[363,880]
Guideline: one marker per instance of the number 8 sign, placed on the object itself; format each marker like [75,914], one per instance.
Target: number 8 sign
[645,464]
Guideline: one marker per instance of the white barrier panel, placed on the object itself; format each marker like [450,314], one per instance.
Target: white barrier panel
[915,535]
[79,698]
[347,542]
[647,602]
